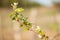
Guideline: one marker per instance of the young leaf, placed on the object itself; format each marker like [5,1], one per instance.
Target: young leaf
[18,10]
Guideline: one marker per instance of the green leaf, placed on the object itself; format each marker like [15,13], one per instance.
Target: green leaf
[18,10]
[12,15]
[21,25]
[26,29]
[41,33]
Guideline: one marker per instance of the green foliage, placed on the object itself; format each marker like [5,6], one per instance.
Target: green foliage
[16,15]
[24,24]
[18,10]
[40,32]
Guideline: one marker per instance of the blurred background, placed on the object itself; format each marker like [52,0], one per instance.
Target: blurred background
[45,13]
